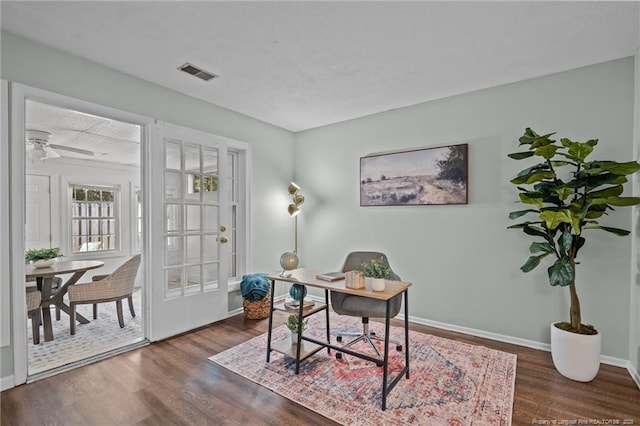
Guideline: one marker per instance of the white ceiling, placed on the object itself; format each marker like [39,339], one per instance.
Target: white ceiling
[300,65]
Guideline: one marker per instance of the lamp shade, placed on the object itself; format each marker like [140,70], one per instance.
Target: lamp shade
[293,210]
[293,188]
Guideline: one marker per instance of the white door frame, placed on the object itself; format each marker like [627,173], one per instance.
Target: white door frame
[19,94]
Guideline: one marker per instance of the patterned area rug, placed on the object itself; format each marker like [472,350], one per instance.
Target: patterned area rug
[99,336]
[451,383]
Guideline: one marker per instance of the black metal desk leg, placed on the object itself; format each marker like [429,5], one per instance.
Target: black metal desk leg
[406,329]
[299,337]
[273,292]
[386,355]
[326,302]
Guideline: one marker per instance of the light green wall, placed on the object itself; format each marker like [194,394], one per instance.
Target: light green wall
[462,261]
[272,147]
[634,334]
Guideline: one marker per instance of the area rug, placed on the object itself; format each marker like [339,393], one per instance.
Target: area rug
[451,383]
[97,337]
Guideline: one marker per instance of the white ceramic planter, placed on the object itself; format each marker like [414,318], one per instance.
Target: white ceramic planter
[44,263]
[575,356]
[377,284]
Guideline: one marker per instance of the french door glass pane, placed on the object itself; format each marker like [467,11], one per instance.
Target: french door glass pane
[173,218]
[192,158]
[172,158]
[193,252]
[193,217]
[172,185]
[210,248]
[210,275]
[173,251]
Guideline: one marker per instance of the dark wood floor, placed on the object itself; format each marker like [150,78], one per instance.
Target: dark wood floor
[173,383]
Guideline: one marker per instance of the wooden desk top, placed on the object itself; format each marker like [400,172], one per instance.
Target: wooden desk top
[60,268]
[308,277]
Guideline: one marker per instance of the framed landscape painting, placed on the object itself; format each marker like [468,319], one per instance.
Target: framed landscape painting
[418,177]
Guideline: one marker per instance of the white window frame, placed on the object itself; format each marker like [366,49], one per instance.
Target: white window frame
[117,214]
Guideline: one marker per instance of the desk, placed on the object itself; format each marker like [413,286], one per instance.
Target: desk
[44,277]
[308,277]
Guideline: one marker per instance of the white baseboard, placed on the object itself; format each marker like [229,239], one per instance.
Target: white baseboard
[7,382]
[634,374]
[617,362]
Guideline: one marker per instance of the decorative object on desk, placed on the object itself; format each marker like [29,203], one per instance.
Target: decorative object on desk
[293,324]
[42,258]
[298,292]
[354,279]
[289,260]
[377,271]
[451,382]
[331,276]
[415,177]
[563,210]
[256,296]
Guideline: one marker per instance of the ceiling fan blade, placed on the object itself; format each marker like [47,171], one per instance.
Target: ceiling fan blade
[51,153]
[72,149]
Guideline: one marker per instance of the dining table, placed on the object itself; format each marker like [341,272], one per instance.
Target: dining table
[44,278]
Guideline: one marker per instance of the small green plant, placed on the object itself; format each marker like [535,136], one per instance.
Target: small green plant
[292,324]
[376,269]
[42,254]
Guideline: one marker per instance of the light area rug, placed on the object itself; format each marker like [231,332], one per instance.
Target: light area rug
[451,383]
[99,336]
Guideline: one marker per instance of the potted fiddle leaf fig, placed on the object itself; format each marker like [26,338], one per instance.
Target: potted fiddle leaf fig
[567,196]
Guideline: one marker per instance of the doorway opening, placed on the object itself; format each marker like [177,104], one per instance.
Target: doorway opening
[84,195]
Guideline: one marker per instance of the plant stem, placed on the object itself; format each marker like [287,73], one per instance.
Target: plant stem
[574,310]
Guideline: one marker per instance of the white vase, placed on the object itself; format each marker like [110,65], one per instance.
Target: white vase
[575,356]
[44,263]
[377,284]
[294,338]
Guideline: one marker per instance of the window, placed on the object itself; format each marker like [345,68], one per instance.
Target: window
[94,218]
[232,164]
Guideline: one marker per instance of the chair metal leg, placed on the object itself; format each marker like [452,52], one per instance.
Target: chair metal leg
[72,319]
[368,337]
[95,311]
[133,312]
[120,316]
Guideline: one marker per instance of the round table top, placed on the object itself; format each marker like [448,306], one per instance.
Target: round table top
[59,268]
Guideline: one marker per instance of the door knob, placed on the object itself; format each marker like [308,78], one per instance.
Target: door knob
[223,240]
[223,228]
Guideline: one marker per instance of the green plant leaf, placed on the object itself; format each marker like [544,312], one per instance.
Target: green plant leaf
[547,151]
[580,150]
[519,213]
[538,247]
[521,155]
[613,191]
[617,231]
[561,273]
[533,177]
[564,242]
[564,192]
[528,137]
[566,142]
[531,198]
[532,262]
[555,218]
[624,169]
[623,201]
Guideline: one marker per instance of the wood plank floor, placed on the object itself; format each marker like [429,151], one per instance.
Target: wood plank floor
[172,383]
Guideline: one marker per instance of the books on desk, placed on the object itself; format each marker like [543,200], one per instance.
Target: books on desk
[331,276]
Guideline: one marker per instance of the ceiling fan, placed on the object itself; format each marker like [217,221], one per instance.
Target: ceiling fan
[39,148]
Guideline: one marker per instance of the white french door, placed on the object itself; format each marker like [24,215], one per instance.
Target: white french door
[191,232]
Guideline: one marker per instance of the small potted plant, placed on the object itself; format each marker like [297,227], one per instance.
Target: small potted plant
[293,324]
[377,271]
[42,258]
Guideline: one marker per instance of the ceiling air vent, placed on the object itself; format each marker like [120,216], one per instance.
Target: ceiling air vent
[193,70]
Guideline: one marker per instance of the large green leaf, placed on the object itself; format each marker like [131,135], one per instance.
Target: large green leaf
[533,177]
[538,247]
[532,262]
[617,231]
[612,191]
[580,150]
[564,242]
[561,273]
[564,193]
[528,137]
[623,201]
[534,230]
[555,218]
[547,151]
[519,213]
[521,155]
[531,198]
